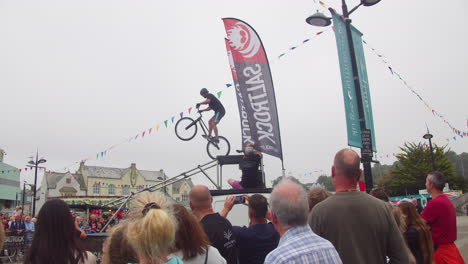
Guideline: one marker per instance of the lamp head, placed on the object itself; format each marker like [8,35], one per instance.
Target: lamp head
[319,20]
[31,162]
[428,136]
[369,2]
[42,161]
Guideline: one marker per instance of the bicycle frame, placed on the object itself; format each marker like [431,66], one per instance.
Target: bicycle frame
[202,124]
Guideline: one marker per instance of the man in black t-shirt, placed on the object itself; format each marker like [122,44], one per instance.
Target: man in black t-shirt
[250,175]
[215,105]
[217,228]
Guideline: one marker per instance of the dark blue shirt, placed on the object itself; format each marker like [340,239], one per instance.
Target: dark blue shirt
[255,242]
[17,225]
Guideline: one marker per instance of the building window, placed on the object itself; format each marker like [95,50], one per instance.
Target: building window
[68,180]
[126,190]
[184,197]
[96,188]
[111,189]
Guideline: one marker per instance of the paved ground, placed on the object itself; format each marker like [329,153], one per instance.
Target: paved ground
[462,242]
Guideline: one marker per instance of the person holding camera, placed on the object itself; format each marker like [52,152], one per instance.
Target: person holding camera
[260,237]
[249,166]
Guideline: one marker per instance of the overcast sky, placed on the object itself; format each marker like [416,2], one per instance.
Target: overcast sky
[77,77]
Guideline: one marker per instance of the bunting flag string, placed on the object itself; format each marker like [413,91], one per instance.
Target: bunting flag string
[23,170]
[436,113]
[302,43]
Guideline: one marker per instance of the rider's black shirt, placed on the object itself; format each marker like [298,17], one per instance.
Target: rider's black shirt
[215,104]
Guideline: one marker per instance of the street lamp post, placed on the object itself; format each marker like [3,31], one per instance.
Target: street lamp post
[429,136]
[35,164]
[318,19]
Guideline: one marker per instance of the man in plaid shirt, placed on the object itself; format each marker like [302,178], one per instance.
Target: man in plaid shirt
[298,244]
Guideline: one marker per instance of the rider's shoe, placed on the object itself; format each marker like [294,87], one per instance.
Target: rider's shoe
[206,136]
[215,140]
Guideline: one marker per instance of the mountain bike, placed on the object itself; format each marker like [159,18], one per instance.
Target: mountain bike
[186,129]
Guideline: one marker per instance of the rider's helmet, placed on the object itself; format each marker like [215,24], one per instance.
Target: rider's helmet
[204,92]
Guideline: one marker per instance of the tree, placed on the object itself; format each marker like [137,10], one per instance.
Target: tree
[291,178]
[414,163]
[327,182]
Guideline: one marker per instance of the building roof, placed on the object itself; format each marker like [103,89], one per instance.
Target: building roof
[117,173]
[53,177]
[152,175]
[105,172]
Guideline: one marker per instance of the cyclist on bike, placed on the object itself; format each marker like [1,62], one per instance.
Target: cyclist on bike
[215,105]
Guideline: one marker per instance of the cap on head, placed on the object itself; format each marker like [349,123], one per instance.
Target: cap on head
[204,92]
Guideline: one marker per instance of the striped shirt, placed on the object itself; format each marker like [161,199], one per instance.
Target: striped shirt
[302,246]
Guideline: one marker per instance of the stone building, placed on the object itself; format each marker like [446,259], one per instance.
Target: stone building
[99,185]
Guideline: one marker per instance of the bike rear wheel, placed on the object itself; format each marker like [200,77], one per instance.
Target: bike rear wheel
[218,149]
[186,128]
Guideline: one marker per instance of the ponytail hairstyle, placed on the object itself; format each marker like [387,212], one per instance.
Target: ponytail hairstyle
[154,234]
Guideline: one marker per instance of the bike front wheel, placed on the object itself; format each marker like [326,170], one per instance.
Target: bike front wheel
[218,149]
[186,128]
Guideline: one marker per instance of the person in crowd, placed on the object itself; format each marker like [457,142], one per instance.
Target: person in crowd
[417,234]
[250,164]
[316,195]
[397,215]
[17,225]
[153,235]
[260,238]
[29,226]
[34,220]
[361,227]
[380,194]
[215,105]
[92,225]
[99,227]
[5,223]
[298,244]
[12,220]
[17,211]
[218,229]
[191,243]
[54,239]
[2,238]
[29,229]
[79,227]
[441,216]
[117,248]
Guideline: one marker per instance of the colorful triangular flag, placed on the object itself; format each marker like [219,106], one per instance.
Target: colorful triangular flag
[219,94]
[165,123]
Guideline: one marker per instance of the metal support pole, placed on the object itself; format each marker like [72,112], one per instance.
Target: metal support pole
[115,214]
[211,180]
[22,202]
[365,159]
[35,187]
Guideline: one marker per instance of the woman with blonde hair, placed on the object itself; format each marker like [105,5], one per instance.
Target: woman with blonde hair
[143,237]
[417,234]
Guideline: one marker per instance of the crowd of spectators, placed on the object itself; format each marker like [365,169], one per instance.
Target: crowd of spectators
[294,225]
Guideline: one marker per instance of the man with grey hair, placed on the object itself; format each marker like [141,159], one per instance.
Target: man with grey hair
[441,216]
[361,227]
[298,244]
